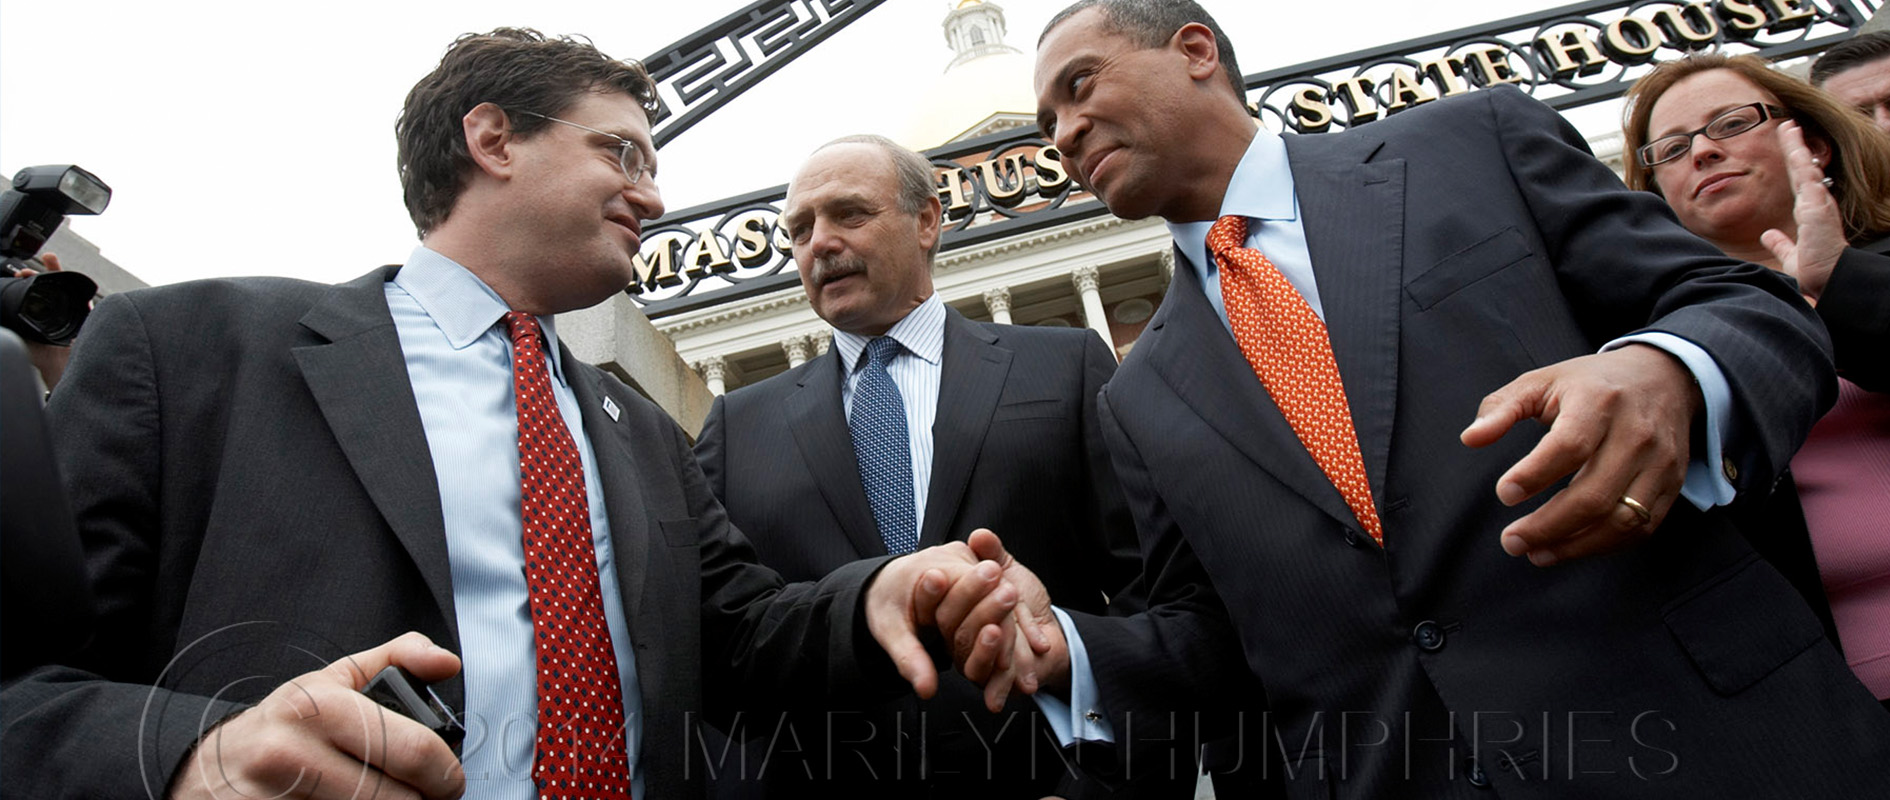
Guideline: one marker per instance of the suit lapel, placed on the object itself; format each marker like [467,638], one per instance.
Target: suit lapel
[972,374]
[1352,209]
[1189,348]
[359,379]
[623,497]
[818,420]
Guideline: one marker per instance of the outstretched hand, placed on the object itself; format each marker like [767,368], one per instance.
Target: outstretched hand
[1813,252]
[1621,422]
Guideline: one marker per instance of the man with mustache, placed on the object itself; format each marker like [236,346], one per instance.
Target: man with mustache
[1527,604]
[915,428]
[285,487]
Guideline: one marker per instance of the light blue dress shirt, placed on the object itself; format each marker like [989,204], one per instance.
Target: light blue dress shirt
[1262,190]
[916,372]
[459,360]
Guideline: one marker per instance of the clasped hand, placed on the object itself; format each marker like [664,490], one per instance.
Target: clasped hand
[990,609]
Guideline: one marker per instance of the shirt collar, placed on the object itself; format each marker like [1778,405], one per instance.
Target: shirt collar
[461,305]
[920,333]
[1262,189]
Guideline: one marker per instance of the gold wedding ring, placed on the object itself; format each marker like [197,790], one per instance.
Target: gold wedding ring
[1638,509]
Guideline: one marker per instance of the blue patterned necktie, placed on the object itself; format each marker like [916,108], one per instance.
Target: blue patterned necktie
[884,453]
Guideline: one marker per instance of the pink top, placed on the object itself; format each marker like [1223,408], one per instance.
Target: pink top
[1843,476]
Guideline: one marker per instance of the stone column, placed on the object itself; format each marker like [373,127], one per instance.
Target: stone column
[715,371]
[1168,266]
[796,347]
[998,299]
[823,340]
[1088,287]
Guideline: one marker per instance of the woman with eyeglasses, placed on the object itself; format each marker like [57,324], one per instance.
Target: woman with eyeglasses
[1776,172]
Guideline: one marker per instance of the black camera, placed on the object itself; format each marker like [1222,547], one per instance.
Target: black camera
[51,306]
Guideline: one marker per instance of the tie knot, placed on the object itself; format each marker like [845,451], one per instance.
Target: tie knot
[521,326]
[880,351]
[1228,233]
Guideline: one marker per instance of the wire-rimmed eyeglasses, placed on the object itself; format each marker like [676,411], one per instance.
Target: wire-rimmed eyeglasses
[1725,126]
[630,157]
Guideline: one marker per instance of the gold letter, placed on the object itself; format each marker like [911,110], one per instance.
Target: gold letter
[1049,161]
[1356,94]
[1310,112]
[751,239]
[658,268]
[1005,188]
[1743,20]
[951,189]
[1447,73]
[707,246]
[1491,71]
[1627,46]
[1562,46]
[1789,14]
[1403,85]
[1680,28]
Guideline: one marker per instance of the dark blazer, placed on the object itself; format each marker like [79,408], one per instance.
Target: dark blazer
[250,476]
[1456,246]
[1016,449]
[1855,308]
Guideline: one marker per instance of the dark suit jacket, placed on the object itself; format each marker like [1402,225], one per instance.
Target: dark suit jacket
[250,476]
[1456,246]
[1016,449]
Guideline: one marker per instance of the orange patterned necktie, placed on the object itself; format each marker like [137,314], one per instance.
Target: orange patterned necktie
[1287,346]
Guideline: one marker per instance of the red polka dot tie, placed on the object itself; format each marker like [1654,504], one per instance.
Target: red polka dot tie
[580,749]
[1286,344]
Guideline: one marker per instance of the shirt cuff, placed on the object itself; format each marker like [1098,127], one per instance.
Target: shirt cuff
[1706,484]
[1082,718]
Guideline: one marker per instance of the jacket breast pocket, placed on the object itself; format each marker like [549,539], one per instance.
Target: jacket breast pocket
[1046,408]
[1467,266]
[679,532]
[1742,624]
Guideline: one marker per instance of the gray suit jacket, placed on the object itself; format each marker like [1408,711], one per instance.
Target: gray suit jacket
[255,494]
[1456,246]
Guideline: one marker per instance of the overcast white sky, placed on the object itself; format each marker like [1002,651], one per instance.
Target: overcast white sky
[256,138]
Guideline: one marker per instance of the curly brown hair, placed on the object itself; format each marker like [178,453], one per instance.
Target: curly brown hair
[1860,153]
[517,69]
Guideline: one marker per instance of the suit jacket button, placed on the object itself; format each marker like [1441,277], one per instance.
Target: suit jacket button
[1474,774]
[1352,538]
[1732,471]
[1428,636]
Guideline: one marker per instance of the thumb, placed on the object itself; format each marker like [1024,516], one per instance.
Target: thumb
[1500,410]
[987,547]
[1782,248]
[413,652]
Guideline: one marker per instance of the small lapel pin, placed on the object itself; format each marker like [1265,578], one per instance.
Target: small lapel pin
[610,407]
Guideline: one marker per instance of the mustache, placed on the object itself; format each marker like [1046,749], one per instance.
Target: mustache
[832,269]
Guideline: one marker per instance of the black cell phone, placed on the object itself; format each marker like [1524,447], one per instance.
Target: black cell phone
[399,690]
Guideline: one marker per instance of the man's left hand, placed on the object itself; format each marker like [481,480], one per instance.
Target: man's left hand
[1621,421]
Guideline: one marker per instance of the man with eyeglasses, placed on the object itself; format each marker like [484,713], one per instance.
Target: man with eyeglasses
[1418,457]
[285,488]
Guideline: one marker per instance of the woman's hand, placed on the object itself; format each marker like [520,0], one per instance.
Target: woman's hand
[1820,241]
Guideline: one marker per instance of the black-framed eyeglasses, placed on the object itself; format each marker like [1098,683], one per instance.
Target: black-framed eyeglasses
[630,157]
[1725,126]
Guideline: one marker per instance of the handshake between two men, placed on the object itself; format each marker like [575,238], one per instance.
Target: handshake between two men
[991,610]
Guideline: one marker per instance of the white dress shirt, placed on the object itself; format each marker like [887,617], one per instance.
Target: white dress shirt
[459,361]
